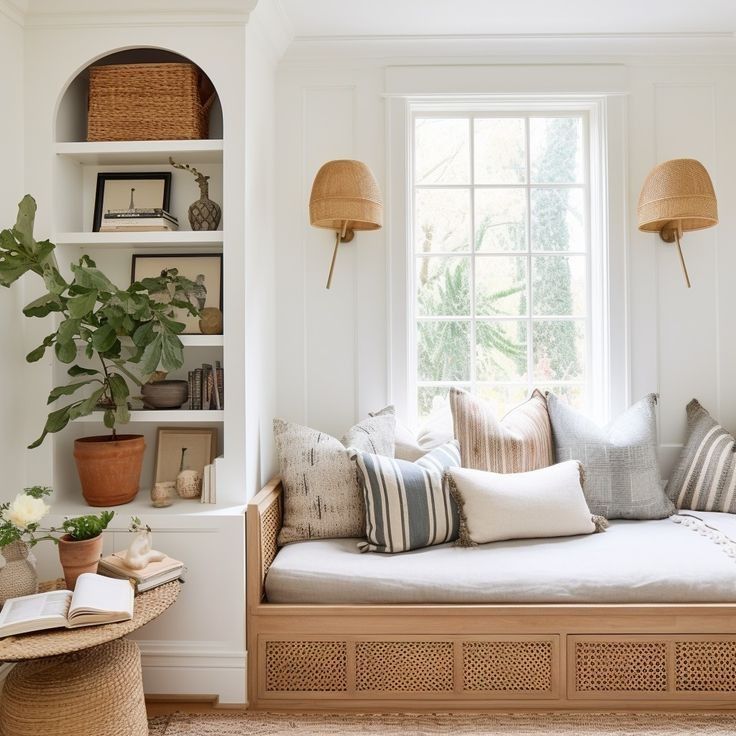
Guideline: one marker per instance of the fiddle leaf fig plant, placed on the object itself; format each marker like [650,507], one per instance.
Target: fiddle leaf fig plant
[95,317]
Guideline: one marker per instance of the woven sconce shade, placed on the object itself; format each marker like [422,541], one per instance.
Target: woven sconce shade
[345,198]
[677,196]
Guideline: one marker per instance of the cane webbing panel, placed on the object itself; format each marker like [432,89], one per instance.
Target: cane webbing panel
[306,666]
[270,525]
[611,666]
[521,666]
[408,666]
[705,666]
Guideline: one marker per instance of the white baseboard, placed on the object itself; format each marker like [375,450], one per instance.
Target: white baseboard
[194,668]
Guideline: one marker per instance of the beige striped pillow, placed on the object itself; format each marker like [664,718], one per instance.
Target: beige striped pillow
[520,442]
[704,479]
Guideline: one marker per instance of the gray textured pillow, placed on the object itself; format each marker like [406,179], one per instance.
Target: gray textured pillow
[705,476]
[322,498]
[619,461]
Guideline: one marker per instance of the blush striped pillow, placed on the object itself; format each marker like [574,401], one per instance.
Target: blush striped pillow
[705,476]
[407,505]
[520,442]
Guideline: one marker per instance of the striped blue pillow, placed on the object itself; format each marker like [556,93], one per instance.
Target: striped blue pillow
[407,505]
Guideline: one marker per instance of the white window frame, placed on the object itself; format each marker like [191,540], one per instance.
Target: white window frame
[607,359]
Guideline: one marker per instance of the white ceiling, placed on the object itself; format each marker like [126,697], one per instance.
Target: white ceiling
[513,17]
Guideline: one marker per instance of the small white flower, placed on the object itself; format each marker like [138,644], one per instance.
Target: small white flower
[26,510]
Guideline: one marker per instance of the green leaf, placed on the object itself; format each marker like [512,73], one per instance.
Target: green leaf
[109,418]
[43,306]
[82,305]
[119,389]
[172,355]
[122,414]
[67,390]
[151,356]
[91,277]
[172,325]
[66,352]
[53,280]
[35,355]
[78,370]
[67,330]
[56,421]
[23,229]
[87,406]
[143,334]
[104,338]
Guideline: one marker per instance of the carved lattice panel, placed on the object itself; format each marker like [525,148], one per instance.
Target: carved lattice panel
[270,525]
[630,666]
[306,666]
[406,666]
[705,666]
[520,666]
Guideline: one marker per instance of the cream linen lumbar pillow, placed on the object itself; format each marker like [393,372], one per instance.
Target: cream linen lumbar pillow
[541,503]
[519,442]
[322,498]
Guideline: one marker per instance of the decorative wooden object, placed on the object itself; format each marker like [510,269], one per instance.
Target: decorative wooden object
[505,657]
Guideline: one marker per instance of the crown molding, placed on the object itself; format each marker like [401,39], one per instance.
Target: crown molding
[76,13]
[14,10]
[488,46]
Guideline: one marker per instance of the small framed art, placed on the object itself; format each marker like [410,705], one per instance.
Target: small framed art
[183,448]
[129,191]
[204,269]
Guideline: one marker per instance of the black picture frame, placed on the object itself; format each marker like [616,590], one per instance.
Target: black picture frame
[104,177]
[169,260]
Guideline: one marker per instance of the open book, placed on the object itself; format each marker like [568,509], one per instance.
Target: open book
[95,600]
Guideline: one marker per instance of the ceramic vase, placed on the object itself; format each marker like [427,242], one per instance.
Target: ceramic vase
[204,214]
[78,557]
[189,484]
[18,573]
[162,494]
[210,321]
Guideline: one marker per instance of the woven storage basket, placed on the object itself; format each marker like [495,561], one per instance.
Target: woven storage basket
[145,102]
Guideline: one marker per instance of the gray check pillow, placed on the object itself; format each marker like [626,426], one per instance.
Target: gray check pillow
[622,479]
[322,498]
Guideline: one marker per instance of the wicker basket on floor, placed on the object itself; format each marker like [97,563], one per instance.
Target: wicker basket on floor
[96,692]
[144,102]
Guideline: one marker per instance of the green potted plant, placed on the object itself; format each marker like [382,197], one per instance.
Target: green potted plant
[128,333]
[19,531]
[80,547]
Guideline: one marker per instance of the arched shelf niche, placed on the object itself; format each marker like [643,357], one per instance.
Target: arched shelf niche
[71,115]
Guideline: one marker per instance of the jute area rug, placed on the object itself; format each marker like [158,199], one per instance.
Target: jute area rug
[488,724]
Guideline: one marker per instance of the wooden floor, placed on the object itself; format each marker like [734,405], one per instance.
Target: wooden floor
[164,707]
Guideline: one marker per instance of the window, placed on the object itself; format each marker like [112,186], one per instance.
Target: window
[501,268]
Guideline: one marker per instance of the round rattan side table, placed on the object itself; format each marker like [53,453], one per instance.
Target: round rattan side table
[79,682]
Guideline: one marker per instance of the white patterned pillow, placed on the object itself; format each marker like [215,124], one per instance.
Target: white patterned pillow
[322,498]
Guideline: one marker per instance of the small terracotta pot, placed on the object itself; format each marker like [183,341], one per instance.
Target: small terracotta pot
[78,557]
[109,469]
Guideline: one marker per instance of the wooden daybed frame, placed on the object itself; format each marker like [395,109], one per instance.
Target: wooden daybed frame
[451,657]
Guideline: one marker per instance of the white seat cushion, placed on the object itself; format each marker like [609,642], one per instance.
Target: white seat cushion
[658,561]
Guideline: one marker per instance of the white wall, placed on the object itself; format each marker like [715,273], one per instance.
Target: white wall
[11,190]
[333,346]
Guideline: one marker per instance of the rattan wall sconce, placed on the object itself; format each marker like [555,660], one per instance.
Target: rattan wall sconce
[677,196]
[345,198]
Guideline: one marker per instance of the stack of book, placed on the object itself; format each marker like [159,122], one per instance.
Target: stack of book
[151,576]
[209,482]
[138,220]
[207,387]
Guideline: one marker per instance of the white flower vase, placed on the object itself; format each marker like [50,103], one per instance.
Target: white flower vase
[18,574]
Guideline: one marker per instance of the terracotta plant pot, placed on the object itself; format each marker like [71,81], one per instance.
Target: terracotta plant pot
[78,557]
[109,469]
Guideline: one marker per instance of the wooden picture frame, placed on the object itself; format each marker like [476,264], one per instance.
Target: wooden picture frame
[206,267]
[170,441]
[150,195]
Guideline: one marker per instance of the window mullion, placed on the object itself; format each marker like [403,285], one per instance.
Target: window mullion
[530,295]
[473,349]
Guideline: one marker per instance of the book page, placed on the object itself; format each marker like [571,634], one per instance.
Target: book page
[98,594]
[54,604]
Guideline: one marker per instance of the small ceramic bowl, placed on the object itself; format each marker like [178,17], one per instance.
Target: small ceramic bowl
[165,394]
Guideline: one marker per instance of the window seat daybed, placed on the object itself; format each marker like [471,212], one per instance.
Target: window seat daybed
[641,616]
[659,561]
